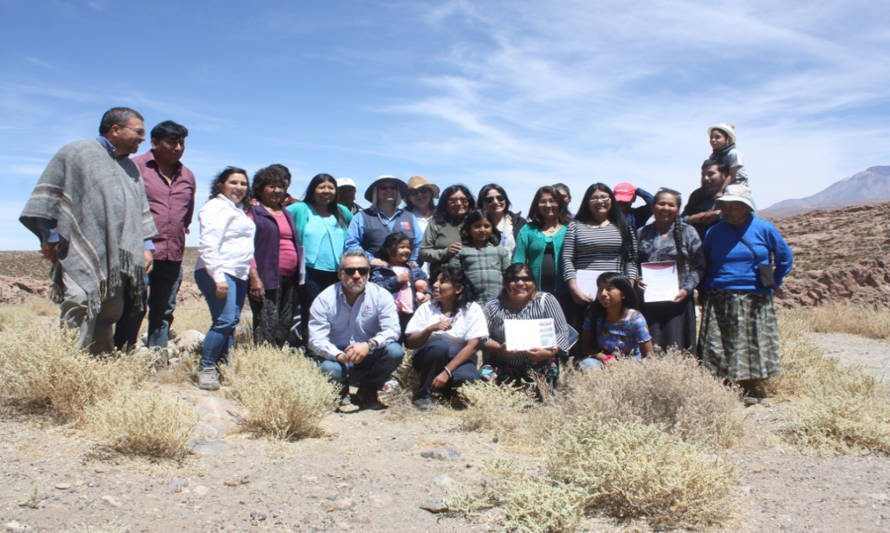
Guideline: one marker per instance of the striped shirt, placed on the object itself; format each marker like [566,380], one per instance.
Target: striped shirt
[589,247]
[544,305]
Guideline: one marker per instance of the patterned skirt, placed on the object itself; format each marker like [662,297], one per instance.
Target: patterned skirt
[739,336]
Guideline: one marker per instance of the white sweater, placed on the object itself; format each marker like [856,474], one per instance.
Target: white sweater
[226,239]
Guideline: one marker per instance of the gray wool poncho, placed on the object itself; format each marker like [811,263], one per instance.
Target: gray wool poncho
[103,218]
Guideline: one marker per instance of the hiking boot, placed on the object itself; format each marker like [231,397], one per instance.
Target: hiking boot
[346,405]
[366,398]
[208,379]
[424,404]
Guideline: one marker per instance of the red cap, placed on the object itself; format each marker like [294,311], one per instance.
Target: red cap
[624,192]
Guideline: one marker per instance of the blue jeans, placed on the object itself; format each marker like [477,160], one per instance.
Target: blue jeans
[430,361]
[374,370]
[224,312]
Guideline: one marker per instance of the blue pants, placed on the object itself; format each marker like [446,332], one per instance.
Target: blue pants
[374,370]
[224,312]
[430,361]
[163,286]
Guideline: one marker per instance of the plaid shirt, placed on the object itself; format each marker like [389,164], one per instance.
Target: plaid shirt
[484,267]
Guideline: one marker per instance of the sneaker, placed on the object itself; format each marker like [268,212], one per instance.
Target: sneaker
[208,379]
[366,398]
[424,404]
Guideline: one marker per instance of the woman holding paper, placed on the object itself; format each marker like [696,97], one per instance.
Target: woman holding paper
[445,333]
[519,300]
[739,337]
[670,244]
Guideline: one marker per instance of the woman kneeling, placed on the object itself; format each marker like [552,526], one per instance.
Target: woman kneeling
[445,333]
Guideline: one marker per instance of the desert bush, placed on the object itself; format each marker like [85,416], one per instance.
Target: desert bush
[144,422]
[501,409]
[672,392]
[286,395]
[622,470]
[632,470]
[850,318]
[41,368]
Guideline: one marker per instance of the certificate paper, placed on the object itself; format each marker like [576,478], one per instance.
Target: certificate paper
[528,334]
[586,280]
[662,283]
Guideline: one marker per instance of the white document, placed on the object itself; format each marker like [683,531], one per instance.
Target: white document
[529,334]
[586,280]
[662,281]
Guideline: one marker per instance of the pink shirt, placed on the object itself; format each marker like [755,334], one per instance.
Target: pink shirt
[172,206]
[287,253]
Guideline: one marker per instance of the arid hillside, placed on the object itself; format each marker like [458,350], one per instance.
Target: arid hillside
[839,255]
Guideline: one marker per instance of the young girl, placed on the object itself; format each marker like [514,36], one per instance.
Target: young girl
[722,139]
[614,328]
[481,256]
[408,285]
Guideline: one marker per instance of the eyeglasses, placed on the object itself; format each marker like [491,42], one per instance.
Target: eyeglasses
[600,198]
[523,279]
[137,131]
[493,199]
[458,200]
[350,271]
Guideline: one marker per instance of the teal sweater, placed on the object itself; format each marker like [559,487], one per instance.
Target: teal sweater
[530,246]
[301,213]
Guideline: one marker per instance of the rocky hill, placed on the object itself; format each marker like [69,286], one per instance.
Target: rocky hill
[867,187]
[840,255]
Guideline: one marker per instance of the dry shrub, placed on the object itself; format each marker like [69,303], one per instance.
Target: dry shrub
[41,368]
[519,501]
[286,395]
[631,470]
[835,408]
[672,392]
[145,422]
[620,470]
[501,409]
[850,318]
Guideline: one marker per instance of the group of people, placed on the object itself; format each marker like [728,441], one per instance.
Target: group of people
[442,272]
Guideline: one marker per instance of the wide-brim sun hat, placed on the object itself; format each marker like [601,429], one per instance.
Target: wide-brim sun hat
[403,189]
[726,128]
[738,192]
[418,182]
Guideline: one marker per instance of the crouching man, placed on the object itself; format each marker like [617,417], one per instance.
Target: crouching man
[354,332]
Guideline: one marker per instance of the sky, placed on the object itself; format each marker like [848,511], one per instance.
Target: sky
[517,93]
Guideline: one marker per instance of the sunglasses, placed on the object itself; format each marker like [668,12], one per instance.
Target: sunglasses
[493,199]
[350,271]
[526,279]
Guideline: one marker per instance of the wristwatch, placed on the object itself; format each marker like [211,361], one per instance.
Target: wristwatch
[372,344]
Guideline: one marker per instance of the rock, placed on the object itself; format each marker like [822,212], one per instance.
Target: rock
[341,504]
[111,500]
[201,490]
[434,505]
[215,413]
[189,340]
[15,526]
[177,485]
[202,446]
[344,485]
[63,486]
[445,453]
[380,500]
[445,481]
[257,517]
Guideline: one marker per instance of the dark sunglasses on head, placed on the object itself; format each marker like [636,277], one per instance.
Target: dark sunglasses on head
[526,279]
[492,199]
[350,271]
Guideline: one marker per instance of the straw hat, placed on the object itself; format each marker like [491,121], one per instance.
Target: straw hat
[417,182]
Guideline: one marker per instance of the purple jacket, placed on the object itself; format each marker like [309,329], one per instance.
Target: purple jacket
[266,244]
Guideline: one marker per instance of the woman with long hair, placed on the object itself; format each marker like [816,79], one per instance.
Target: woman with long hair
[494,200]
[441,240]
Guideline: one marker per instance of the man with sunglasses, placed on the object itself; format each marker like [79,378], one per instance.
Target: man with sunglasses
[354,331]
[91,215]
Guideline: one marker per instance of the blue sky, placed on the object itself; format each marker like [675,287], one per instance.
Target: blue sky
[520,93]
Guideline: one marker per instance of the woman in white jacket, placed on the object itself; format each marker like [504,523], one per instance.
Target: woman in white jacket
[223,266]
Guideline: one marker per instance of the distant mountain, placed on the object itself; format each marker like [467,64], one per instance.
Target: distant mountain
[870,186]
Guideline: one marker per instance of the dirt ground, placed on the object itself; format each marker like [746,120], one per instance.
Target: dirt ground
[368,472]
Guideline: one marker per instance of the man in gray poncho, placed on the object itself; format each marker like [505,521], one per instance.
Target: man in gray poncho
[90,212]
